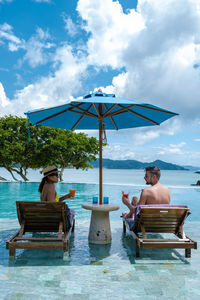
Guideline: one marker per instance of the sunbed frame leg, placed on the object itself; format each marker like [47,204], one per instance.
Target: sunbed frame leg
[11,252]
[137,249]
[187,252]
[124,227]
[73,226]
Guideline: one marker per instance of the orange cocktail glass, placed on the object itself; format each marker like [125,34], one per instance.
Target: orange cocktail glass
[72,193]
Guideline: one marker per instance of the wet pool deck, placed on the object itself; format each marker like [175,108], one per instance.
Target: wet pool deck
[99,271]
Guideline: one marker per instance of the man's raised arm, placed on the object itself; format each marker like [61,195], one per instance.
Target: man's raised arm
[143,197]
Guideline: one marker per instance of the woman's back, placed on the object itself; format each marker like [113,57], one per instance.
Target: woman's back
[49,193]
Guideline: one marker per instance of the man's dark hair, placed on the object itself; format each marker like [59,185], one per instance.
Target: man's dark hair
[154,170]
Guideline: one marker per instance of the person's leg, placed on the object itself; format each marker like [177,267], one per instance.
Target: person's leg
[69,217]
[134,201]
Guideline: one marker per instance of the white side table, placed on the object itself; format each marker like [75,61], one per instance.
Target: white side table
[100,232]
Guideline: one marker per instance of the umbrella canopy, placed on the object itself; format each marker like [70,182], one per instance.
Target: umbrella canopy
[100,111]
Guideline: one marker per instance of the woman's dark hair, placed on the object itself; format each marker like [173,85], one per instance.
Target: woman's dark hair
[42,183]
[154,170]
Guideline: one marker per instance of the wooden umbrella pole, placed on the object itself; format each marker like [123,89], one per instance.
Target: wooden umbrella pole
[100,159]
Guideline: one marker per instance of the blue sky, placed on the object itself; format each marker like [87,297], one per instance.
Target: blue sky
[147,50]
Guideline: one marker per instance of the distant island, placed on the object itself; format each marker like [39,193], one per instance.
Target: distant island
[134,164]
[192,168]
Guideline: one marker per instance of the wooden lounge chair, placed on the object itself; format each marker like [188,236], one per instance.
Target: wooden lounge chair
[41,217]
[160,219]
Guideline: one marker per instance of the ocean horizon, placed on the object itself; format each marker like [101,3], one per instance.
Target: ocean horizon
[129,177]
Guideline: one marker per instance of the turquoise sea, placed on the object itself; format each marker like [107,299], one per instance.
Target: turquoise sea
[99,271]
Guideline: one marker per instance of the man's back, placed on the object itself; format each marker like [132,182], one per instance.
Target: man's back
[156,194]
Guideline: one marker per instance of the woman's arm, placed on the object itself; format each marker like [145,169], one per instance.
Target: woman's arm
[67,196]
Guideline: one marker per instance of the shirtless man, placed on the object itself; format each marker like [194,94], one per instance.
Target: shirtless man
[156,194]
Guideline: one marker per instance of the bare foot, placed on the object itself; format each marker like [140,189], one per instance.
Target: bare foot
[128,215]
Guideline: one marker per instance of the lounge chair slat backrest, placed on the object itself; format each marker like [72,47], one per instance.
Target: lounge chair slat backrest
[159,219]
[41,216]
[162,219]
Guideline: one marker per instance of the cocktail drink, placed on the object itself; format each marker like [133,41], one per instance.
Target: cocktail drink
[125,195]
[72,193]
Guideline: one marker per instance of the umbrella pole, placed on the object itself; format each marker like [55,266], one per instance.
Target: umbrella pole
[100,163]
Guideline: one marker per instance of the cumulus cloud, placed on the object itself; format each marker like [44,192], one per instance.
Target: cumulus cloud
[51,90]
[71,28]
[157,46]
[7,35]
[3,99]
[145,135]
[110,30]
[159,59]
[172,148]
[35,48]
[142,144]
[118,151]
[178,154]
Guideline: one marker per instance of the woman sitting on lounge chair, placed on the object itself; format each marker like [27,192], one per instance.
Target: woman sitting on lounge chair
[48,192]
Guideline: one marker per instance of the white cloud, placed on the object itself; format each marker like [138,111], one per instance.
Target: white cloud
[159,59]
[71,28]
[179,156]
[6,34]
[180,145]
[157,47]
[197,140]
[110,30]
[35,48]
[172,148]
[55,89]
[145,135]
[118,151]
[3,99]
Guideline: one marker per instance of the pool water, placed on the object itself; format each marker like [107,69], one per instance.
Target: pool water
[97,271]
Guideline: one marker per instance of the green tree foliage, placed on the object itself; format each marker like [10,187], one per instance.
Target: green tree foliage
[47,146]
[15,152]
[67,149]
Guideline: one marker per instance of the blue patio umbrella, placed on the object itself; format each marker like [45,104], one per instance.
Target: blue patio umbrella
[100,111]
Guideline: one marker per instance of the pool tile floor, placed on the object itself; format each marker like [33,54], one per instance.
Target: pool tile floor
[99,272]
